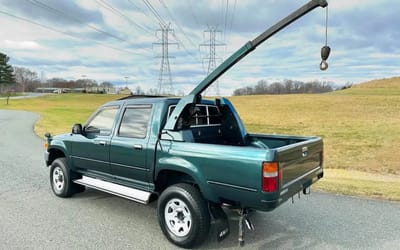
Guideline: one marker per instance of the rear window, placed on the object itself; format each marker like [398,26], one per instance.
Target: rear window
[205,115]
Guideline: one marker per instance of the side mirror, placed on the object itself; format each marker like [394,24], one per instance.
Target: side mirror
[77,129]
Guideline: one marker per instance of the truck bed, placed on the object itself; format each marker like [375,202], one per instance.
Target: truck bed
[297,156]
[234,174]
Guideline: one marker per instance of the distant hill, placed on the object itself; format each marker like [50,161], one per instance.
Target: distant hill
[393,82]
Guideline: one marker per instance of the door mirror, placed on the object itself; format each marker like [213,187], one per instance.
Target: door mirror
[77,129]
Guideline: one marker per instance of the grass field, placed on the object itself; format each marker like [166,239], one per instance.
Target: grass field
[59,112]
[360,127]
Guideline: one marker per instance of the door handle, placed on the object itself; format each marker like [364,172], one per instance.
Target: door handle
[102,143]
[138,147]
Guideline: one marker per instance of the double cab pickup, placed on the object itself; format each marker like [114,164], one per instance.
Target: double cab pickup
[193,155]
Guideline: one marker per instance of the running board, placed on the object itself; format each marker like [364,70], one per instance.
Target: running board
[112,188]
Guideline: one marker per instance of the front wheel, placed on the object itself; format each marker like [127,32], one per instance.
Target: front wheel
[61,181]
[183,215]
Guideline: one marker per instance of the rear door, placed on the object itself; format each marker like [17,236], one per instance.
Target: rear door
[129,146]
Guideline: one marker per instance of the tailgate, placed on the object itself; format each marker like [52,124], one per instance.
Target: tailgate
[299,161]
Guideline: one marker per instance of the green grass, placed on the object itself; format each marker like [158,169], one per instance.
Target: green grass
[59,112]
[350,182]
[360,127]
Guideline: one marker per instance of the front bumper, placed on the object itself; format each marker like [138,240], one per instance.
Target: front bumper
[46,157]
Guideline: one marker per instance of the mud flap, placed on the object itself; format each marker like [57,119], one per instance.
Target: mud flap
[221,221]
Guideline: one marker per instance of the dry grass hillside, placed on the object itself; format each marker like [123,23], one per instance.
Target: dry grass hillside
[393,82]
[360,125]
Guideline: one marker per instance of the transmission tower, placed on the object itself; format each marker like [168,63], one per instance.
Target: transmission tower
[165,78]
[212,43]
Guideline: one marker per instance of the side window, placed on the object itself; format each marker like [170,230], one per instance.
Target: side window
[103,121]
[135,122]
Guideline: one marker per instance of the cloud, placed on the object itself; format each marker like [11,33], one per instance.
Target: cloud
[10,44]
[54,12]
[108,40]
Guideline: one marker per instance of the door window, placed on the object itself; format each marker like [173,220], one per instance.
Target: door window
[135,122]
[103,121]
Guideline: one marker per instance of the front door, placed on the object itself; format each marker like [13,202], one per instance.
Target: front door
[90,152]
[129,154]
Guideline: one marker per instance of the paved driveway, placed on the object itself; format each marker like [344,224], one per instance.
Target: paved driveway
[31,217]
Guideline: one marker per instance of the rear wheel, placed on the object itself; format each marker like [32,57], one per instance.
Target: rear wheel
[61,181]
[183,215]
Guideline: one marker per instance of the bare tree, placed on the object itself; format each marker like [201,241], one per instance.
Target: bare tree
[285,87]
[27,79]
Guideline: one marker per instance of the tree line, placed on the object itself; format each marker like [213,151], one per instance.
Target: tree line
[285,87]
[20,79]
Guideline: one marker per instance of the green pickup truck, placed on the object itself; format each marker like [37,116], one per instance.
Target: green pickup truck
[193,155]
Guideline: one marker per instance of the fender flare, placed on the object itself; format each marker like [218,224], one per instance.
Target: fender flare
[178,164]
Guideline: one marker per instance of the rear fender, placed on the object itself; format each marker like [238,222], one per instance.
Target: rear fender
[181,165]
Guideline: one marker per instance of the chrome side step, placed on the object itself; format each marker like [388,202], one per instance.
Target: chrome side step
[112,188]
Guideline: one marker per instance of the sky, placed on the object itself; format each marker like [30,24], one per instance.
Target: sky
[119,41]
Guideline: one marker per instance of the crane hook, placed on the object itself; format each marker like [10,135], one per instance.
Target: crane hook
[326,50]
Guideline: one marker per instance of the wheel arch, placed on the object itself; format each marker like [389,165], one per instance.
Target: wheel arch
[185,172]
[55,153]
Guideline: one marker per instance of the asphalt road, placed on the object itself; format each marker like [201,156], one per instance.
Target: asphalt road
[31,217]
[26,95]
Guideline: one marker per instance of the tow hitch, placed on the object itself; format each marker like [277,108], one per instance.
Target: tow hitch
[244,219]
[222,223]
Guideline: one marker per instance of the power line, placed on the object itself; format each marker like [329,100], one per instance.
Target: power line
[165,70]
[154,11]
[232,16]
[212,43]
[137,7]
[226,18]
[51,9]
[176,23]
[221,21]
[78,20]
[163,23]
[67,34]
[193,13]
[183,32]
[117,12]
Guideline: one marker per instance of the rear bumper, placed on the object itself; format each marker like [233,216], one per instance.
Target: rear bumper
[252,198]
[269,202]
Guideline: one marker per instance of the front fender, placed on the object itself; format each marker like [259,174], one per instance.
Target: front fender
[56,146]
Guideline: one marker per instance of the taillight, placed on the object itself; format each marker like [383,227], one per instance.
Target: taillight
[270,177]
